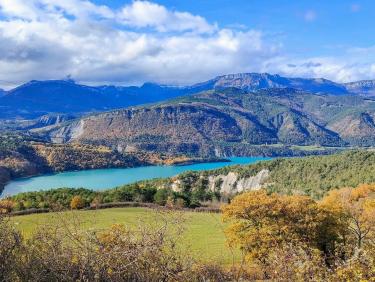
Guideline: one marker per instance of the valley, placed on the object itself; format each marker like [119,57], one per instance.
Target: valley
[187,141]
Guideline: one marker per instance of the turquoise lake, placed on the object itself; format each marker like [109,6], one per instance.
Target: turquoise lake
[100,179]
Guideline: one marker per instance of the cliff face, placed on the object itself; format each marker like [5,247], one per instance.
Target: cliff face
[215,123]
[233,183]
[227,184]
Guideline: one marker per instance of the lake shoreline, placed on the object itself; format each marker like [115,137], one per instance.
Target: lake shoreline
[6,178]
[177,161]
[146,172]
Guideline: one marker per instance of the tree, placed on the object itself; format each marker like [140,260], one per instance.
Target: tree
[261,222]
[161,196]
[356,211]
[6,206]
[77,203]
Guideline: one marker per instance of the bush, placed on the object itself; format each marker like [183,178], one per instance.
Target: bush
[6,206]
[10,246]
[161,196]
[77,203]
[148,253]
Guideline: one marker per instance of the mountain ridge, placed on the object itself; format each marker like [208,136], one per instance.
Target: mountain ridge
[38,98]
[37,103]
[221,120]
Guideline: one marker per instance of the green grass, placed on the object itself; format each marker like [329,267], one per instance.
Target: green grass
[204,237]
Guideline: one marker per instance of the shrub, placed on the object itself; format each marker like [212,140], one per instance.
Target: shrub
[6,206]
[148,253]
[161,196]
[10,245]
[77,203]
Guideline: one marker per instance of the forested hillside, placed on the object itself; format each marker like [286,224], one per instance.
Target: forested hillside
[22,155]
[228,122]
[312,176]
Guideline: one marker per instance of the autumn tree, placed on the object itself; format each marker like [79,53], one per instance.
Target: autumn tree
[261,222]
[6,206]
[356,210]
[77,203]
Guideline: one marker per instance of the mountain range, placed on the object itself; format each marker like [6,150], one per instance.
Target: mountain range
[227,122]
[228,115]
[39,98]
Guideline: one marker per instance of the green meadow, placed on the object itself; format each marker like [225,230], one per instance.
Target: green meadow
[203,234]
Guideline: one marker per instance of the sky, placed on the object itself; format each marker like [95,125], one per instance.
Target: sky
[183,42]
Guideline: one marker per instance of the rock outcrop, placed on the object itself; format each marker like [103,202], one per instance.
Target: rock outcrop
[232,183]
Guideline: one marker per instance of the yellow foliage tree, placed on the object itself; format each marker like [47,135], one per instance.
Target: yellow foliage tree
[333,239]
[261,222]
[6,206]
[356,210]
[77,203]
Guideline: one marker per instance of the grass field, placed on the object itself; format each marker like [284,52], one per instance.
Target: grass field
[204,236]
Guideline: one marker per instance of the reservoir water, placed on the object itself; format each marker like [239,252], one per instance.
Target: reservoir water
[100,179]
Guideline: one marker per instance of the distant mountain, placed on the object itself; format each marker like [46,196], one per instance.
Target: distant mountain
[39,98]
[222,120]
[363,87]
[256,81]
[2,92]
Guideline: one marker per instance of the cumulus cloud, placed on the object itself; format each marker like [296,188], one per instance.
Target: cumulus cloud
[142,41]
[142,14]
[337,69]
[47,39]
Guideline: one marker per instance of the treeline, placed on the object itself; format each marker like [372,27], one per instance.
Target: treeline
[141,192]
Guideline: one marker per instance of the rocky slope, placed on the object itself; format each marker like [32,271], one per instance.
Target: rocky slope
[208,123]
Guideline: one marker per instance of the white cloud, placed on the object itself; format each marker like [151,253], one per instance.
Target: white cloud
[143,41]
[143,14]
[338,69]
[47,39]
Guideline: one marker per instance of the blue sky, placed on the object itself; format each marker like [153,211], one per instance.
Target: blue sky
[182,42]
[331,26]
